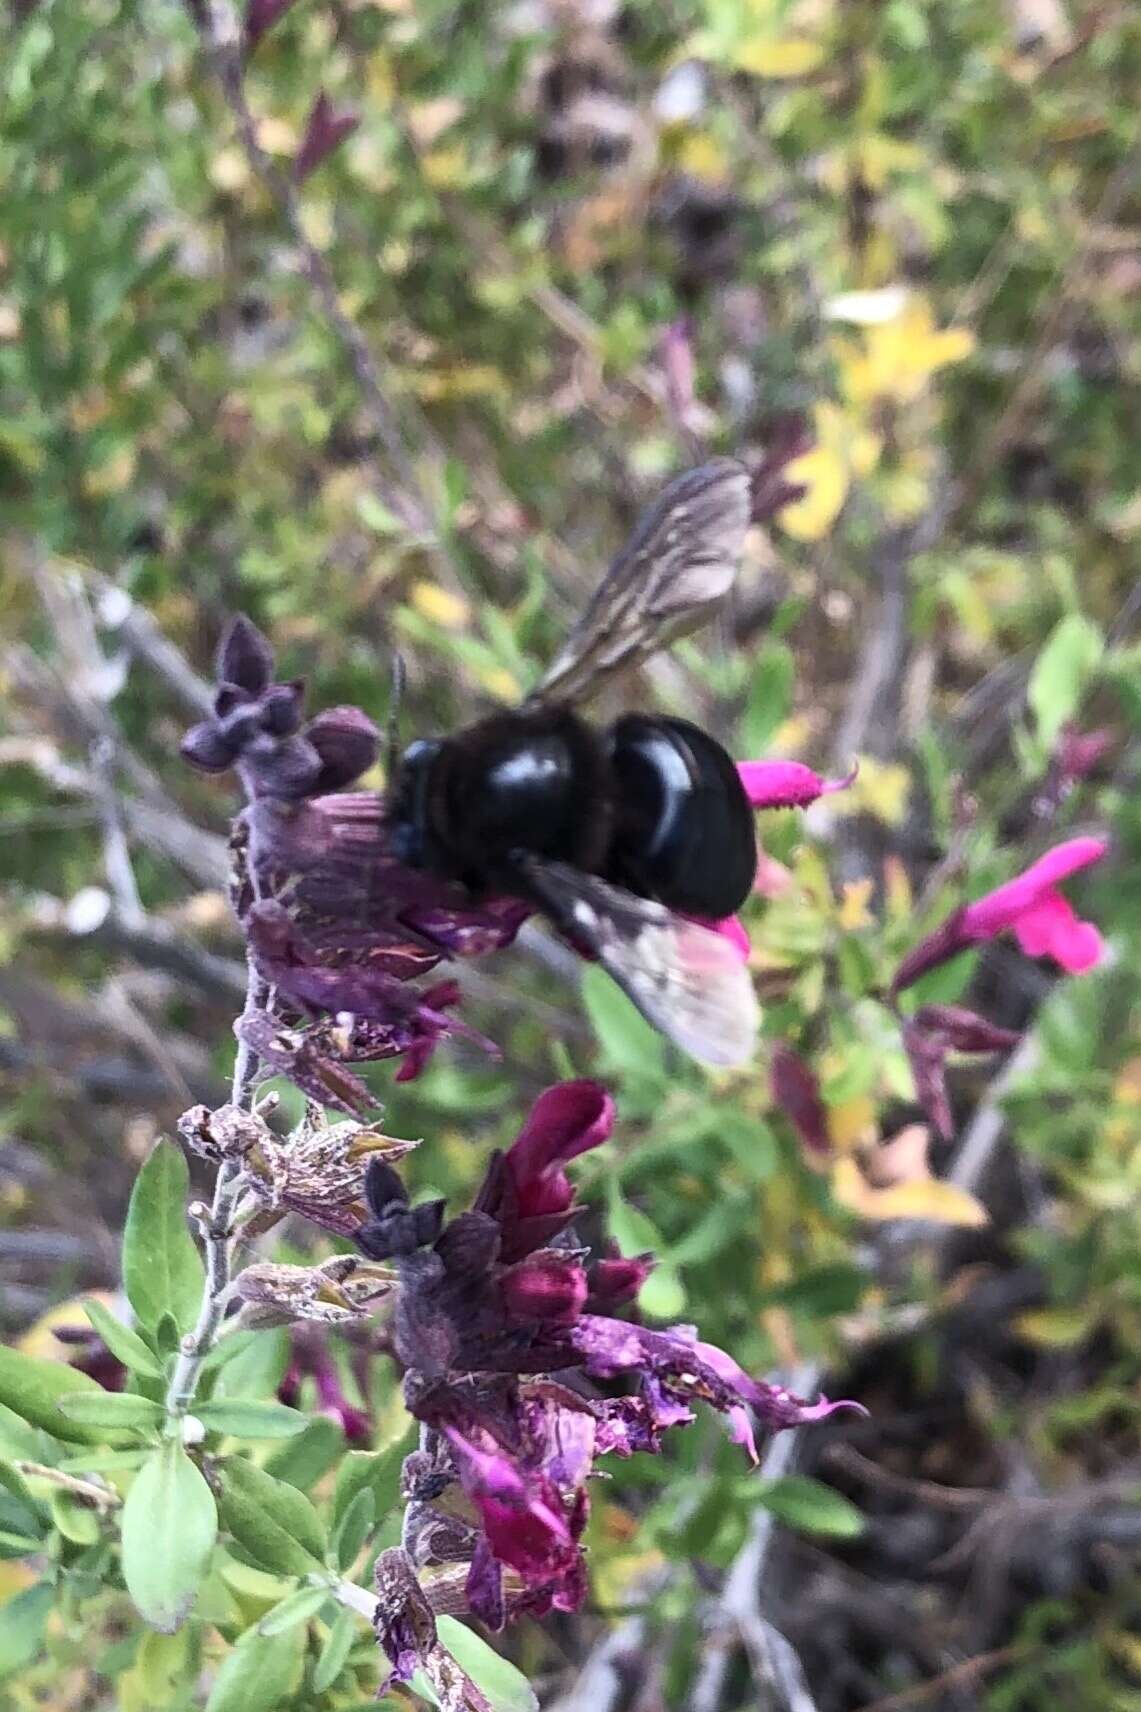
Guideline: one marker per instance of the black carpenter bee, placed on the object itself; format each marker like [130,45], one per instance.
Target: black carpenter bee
[622,835]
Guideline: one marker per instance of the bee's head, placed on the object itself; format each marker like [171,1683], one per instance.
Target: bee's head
[409,802]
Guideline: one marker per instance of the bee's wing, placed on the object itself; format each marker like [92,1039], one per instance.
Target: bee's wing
[686,980]
[680,561]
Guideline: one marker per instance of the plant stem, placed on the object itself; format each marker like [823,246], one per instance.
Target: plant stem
[217,1228]
[357,1599]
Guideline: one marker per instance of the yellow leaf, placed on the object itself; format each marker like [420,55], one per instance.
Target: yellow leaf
[702,157]
[439,605]
[852,1123]
[9,321]
[932,1201]
[1056,1328]
[500,683]
[842,447]
[40,1338]
[825,475]
[853,912]
[898,895]
[446,169]
[881,789]
[468,380]
[899,356]
[789,56]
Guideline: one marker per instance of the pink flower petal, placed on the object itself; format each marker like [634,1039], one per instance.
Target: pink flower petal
[1051,929]
[786,784]
[730,928]
[566,1120]
[772,878]
[1001,908]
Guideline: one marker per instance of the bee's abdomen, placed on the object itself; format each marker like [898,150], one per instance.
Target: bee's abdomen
[683,828]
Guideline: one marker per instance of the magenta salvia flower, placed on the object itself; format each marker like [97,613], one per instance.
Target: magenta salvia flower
[490,1307]
[788,437]
[786,784]
[930,1036]
[335,922]
[1030,905]
[325,130]
[796,1091]
[261,16]
[310,1358]
[774,784]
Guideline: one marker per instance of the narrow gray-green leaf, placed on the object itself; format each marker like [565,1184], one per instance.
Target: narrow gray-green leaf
[809,1505]
[23,1620]
[507,1688]
[32,1387]
[1061,673]
[271,1520]
[124,1343]
[303,1459]
[162,1269]
[334,1654]
[259,1674]
[353,1528]
[170,1523]
[245,1419]
[229,1345]
[294,1608]
[114,1409]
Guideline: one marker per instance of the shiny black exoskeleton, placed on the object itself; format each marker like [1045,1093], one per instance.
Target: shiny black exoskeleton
[651,804]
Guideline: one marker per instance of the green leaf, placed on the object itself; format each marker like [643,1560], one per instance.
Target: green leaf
[19,1508]
[663,1293]
[259,1674]
[245,1419]
[229,1345]
[32,1387]
[506,1688]
[164,1663]
[378,1470]
[295,1608]
[162,1269]
[124,1343]
[1061,673]
[353,1529]
[770,698]
[114,1410]
[271,1520]
[377,517]
[75,1519]
[628,1042]
[23,1621]
[333,1655]
[822,1291]
[810,1506]
[302,1460]
[257,1369]
[169,1526]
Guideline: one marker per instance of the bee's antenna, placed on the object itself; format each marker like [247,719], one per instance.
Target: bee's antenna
[396,697]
